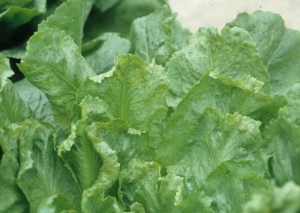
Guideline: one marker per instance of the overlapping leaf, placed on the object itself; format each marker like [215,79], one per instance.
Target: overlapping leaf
[232,54]
[278,47]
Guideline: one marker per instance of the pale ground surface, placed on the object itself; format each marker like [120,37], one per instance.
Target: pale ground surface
[202,13]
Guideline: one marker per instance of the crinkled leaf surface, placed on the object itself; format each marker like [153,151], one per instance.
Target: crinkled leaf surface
[213,140]
[232,54]
[53,64]
[225,94]
[42,173]
[150,36]
[279,47]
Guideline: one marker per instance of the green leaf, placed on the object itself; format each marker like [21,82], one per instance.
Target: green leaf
[213,140]
[284,199]
[134,91]
[104,5]
[101,51]
[53,64]
[70,17]
[283,137]
[150,36]
[278,47]
[42,173]
[232,54]
[11,197]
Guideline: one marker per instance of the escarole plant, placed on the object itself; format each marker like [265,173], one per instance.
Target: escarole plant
[122,110]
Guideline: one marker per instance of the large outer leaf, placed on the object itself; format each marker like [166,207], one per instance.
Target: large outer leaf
[232,54]
[11,197]
[70,17]
[283,136]
[42,173]
[135,92]
[279,47]
[150,36]
[226,95]
[53,64]
[213,140]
